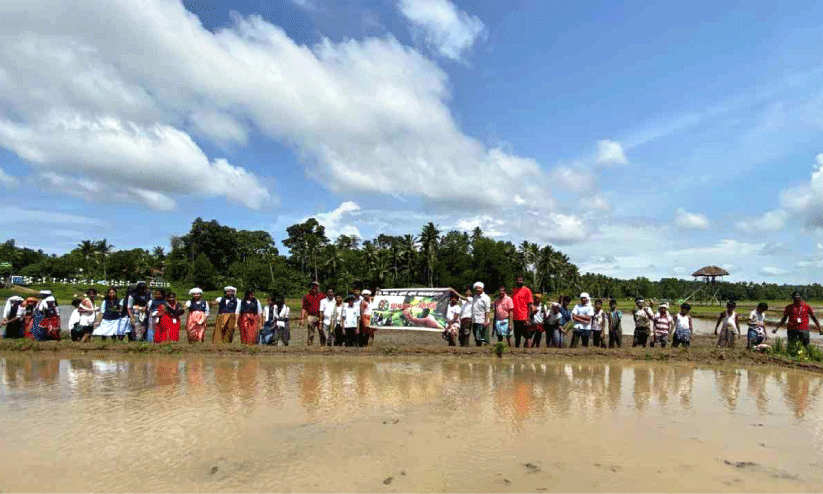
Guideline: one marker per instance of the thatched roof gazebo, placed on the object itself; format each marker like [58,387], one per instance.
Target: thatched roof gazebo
[709,275]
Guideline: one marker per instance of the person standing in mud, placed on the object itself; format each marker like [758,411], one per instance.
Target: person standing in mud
[642,323]
[481,308]
[566,316]
[228,310]
[13,314]
[798,314]
[326,309]
[249,320]
[452,319]
[523,302]
[137,307]
[615,325]
[366,329]
[503,308]
[582,315]
[466,318]
[310,314]
[198,314]
[351,321]
[730,326]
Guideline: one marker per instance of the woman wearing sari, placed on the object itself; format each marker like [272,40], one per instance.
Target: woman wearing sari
[168,325]
[249,321]
[154,314]
[48,327]
[111,309]
[28,317]
[198,314]
[227,309]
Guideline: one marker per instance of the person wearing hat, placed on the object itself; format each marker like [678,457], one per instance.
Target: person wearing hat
[198,314]
[137,308]
[228,310]
[310,314]
[481,310]
[13,314]
[798,314]
[582,315]
[663,324]
[643,317]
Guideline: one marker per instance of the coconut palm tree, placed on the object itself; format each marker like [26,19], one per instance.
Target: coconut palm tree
[429,239]
[408,250]
[103,249]
[87,252]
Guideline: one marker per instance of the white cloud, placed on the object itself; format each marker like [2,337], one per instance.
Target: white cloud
[691,221]
[489,225]
[596,203]
[770,221]
[772,271]
[6,180]
[610,153]
[573,179]
[339,221]
[339,105]
[807,201]
[22,215]
[679,270]
[442,26]
[305,4]
[141,159]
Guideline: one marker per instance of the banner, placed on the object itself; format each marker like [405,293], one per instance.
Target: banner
[422,309]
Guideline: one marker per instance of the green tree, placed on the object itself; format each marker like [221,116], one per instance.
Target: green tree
[203,273]
[429,240]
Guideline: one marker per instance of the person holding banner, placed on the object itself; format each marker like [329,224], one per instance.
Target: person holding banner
[481,308]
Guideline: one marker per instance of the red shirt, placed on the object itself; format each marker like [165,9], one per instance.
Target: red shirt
[311,303]
[794,313]
[522,297]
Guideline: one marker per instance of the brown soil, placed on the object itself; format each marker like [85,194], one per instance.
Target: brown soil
[428,344]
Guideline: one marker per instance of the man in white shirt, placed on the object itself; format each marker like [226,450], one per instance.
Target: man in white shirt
[326,309]
[481,308]
[582,315]
[466,318]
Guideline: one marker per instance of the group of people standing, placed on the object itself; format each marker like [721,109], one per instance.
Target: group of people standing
[33,318]
[338,321]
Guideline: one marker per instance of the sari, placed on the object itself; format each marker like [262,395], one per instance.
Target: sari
[249,323]
[196,326]
[168,324]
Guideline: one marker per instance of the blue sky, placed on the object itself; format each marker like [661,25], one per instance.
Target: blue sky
[643,140]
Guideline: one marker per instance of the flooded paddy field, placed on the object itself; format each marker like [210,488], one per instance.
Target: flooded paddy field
[398,424]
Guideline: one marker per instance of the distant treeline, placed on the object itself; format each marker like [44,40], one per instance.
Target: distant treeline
[212,255]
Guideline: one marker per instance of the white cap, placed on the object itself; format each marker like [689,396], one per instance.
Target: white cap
[365,292]
[584,295]
[479,284]
[227,288]
[195,291]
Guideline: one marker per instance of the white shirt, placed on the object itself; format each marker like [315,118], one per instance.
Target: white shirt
[43,305]
[481,305]
[583,310]
[74,318]
[599,321]
[758,321]
[539,315]
[326,308]
[87,318]
[682,322]
[351,316]
[466,309]
[207,311]
[283,316]
[452,312]
[21,311]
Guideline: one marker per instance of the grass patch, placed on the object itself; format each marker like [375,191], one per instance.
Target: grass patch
[499,349]
[796,351]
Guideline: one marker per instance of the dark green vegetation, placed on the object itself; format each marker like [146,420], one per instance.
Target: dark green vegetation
[212,255]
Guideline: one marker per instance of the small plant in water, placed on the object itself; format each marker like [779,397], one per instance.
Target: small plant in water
[499,348]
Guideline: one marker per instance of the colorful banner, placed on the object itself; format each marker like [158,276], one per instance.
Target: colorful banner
[422,309]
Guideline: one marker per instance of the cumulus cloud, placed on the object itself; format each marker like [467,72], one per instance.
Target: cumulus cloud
[442,26]
[690,221]
[610,153]
[770,221]
[573,179]
[772,271]
[6,180]
[339,221]
[339,105]
[144,160]
[807,201]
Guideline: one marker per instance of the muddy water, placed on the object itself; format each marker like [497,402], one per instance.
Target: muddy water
[211,424]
